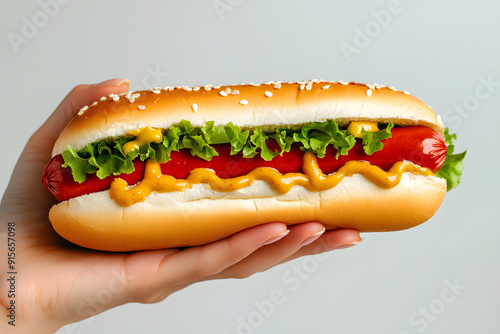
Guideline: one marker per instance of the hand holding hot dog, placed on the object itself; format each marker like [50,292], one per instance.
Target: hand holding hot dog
[185,166]
[58,281]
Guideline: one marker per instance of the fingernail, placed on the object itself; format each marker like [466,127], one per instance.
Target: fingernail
[276,238]
[312,238]
[351,244]
[113,82]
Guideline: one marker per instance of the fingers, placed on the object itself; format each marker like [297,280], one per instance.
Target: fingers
[270,255]
[193,264]
[328,241]
[304,239]
[239,256]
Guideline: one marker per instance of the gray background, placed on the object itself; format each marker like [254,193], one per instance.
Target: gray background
[443,52]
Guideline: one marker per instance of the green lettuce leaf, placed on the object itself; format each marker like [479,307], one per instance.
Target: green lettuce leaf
[284,138]
[107,157]
[236,138]
[79,166]
[317,136]
[372,141]
[453,164]
[257,144]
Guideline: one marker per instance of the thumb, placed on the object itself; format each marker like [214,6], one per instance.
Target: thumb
[26,179]
[79,97]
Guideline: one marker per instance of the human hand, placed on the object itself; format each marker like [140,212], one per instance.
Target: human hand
[58,283]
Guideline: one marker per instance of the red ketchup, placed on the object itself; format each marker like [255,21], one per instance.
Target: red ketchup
[420,145]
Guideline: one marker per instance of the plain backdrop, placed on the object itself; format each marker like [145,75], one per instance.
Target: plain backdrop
[440,277]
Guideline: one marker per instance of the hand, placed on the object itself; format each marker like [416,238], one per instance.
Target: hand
[58,283]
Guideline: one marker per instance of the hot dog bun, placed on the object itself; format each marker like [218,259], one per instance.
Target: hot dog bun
[200,215]
[288,106]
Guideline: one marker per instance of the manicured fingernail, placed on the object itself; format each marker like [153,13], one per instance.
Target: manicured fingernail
[113,82]
[276,238]
[351,244]
[312,238]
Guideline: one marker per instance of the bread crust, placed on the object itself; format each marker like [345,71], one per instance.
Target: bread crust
[268,105]
[193,217]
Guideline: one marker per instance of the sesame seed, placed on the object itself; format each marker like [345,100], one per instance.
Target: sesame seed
[207,87]
[368,92]
[268,93]
[187,89]
[392,88]
[103,98]
[405,92]
[277,86]
[156,88]
[195,89]
[302,86]
[228,90]
[194,107]
[116,98]
[136,95]
[308,87]
[156,91]
[217,87]
[235,92]
[93,104]
[80,113]
[256,84]
[269,83]
[244,102]
[325,87]
[223,93]
[343,83]
[141,107]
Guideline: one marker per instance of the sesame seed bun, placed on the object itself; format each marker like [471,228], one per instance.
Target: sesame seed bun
[268,105]
[200,215]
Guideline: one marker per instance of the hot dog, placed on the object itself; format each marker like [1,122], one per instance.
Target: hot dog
[185,166]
